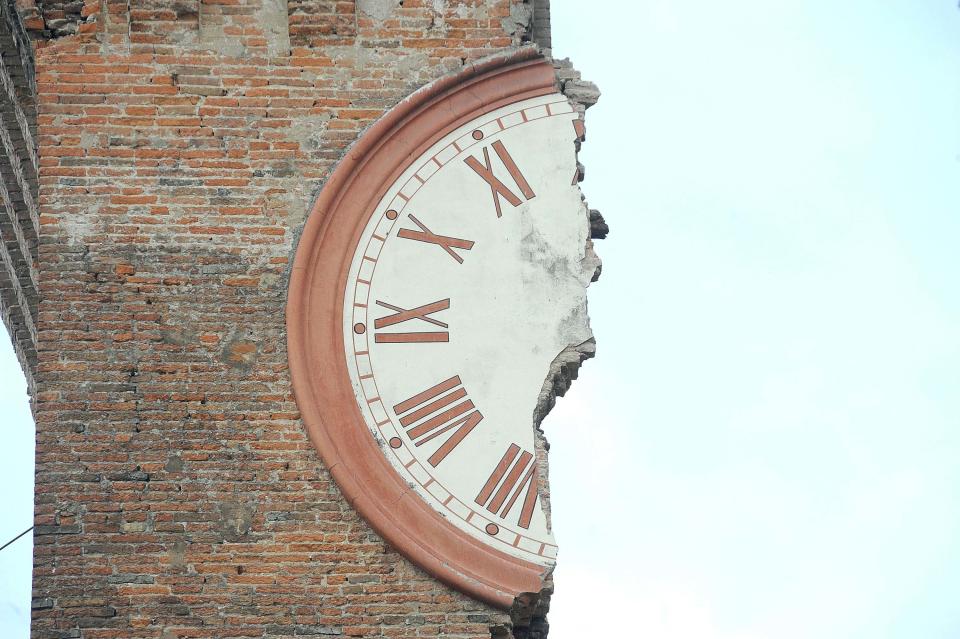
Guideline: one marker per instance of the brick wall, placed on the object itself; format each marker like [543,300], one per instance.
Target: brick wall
[180,144]
[19,168]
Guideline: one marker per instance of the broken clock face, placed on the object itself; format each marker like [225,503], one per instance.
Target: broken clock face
[460,273]
[465,284]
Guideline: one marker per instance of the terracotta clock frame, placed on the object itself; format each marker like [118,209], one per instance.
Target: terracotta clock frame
[318,366]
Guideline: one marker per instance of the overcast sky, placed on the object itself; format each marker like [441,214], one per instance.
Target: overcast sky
[767,444]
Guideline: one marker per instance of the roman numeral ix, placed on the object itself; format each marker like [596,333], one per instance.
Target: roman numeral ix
[432,413]
[402,315]
[514,476]
[498,188]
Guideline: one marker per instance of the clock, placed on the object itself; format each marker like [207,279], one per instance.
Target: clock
[442,271]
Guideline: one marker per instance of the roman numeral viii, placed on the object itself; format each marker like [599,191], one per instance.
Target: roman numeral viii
[514,476]
[402,315]
[436,411]
[497,187]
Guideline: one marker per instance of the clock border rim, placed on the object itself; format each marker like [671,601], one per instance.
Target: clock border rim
[326,401]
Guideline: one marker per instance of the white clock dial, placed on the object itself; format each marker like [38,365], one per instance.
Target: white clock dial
[468,280]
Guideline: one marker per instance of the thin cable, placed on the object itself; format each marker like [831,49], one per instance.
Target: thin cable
[16,538]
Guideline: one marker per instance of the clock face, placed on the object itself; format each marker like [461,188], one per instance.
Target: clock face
[437,293]
[469,278]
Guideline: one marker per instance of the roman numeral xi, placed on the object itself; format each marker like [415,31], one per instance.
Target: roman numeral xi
[435,412]
[497,188]
[514,475]
[402,315]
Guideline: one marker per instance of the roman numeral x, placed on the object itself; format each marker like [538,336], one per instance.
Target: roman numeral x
[443,241]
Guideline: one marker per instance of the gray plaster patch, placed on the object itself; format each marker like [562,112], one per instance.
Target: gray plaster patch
[240,353]
[378,10]
[518,22]
[412,63]
[174,464]
[177,554]
[88,139]
[274,20]
[236,520]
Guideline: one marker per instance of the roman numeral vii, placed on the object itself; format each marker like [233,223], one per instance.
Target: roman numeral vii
[497,187]
[435,412]
[402,315]
[513,476]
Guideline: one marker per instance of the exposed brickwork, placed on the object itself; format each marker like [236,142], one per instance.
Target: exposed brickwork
[19,165]
[54,18]
[180,145]
[315,23]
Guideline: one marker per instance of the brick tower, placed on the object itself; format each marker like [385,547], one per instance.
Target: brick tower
[160,158]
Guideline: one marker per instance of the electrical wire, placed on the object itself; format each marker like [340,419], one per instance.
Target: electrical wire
[16,538]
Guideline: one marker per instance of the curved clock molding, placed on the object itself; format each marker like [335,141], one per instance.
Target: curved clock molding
[442,270]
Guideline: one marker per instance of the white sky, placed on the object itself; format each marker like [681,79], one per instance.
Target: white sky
[16,503]
[767,444]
